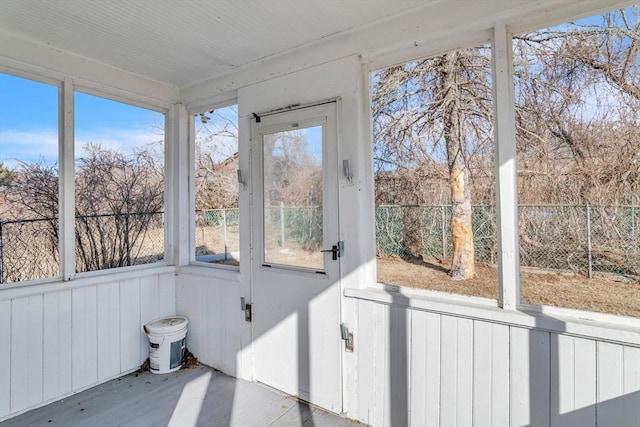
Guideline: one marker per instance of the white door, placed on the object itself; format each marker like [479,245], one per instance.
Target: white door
[295,284]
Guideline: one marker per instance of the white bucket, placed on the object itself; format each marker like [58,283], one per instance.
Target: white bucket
[167,337]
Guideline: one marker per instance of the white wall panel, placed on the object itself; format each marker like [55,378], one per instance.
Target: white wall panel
[57,344]
[366,342]
[167,294]
[5,358]
[215,319]
[26,339]
[53,343]
[464,372]
[573,381]
[84,337]
[425,369]
[631,385]
[108,330]
[618,389]
[188,304]
[398,348]
[220,317]
[529,356]
[456,371]
[490,375]
[130,345]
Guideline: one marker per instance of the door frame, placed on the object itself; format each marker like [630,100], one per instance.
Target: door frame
[330,168]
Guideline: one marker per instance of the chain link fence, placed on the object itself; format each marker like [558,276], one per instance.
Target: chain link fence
[217,232]
[581,239]
[29,248]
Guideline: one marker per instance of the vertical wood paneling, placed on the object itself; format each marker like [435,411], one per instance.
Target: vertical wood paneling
[631,386]
[149,310]
[610,385]
[210,323]
[84,357]
[529,377]
[167,292]
[456,371]
[490,375]
[130,356]
[220,338]
[52,344]
[397,397]
[573,381]
[57,344]
[380,355]
[464,410]
[448,371]
[108,330]
[366,340]
[26,352]
[425,369]
[188,304]
[584,388]
[5,358]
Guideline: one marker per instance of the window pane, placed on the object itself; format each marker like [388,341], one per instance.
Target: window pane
[293,198]
[434,173]
[28,180]
[119,176]
[578,140]
[217,226]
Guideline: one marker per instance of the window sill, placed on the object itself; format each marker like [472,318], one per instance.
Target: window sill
[610,328]
[228,273]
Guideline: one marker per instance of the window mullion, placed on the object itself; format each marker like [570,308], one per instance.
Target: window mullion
[66,182]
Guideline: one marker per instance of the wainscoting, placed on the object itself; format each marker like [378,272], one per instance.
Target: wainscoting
[57,339]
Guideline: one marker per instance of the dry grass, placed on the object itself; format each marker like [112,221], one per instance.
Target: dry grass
[603,294]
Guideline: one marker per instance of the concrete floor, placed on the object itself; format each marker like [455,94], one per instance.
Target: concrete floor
[198,396]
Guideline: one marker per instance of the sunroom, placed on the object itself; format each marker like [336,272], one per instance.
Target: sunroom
[281,173]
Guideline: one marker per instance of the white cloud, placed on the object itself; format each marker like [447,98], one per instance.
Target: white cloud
[122,140]
[32,145]
[28,146]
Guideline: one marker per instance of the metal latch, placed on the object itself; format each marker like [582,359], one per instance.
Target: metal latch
[247,309]
[336,250]
[347,337]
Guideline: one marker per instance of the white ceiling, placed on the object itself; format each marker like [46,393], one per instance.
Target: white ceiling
[183,45]
[187,41]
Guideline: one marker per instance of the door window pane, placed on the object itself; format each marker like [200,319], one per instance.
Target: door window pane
[293,198]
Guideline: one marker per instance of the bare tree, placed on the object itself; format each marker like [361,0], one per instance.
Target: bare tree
[117,198]
[437,111]
[216,162]
[577,111]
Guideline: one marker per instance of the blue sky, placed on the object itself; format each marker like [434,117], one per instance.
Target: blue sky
[29,122]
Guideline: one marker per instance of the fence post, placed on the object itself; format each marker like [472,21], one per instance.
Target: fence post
[224,233]
[282,224]
[589,253]
[442,232]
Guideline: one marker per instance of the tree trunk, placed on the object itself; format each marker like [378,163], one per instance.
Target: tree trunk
[462,263]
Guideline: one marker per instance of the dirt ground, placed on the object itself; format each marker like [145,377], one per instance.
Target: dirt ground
[612,295]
